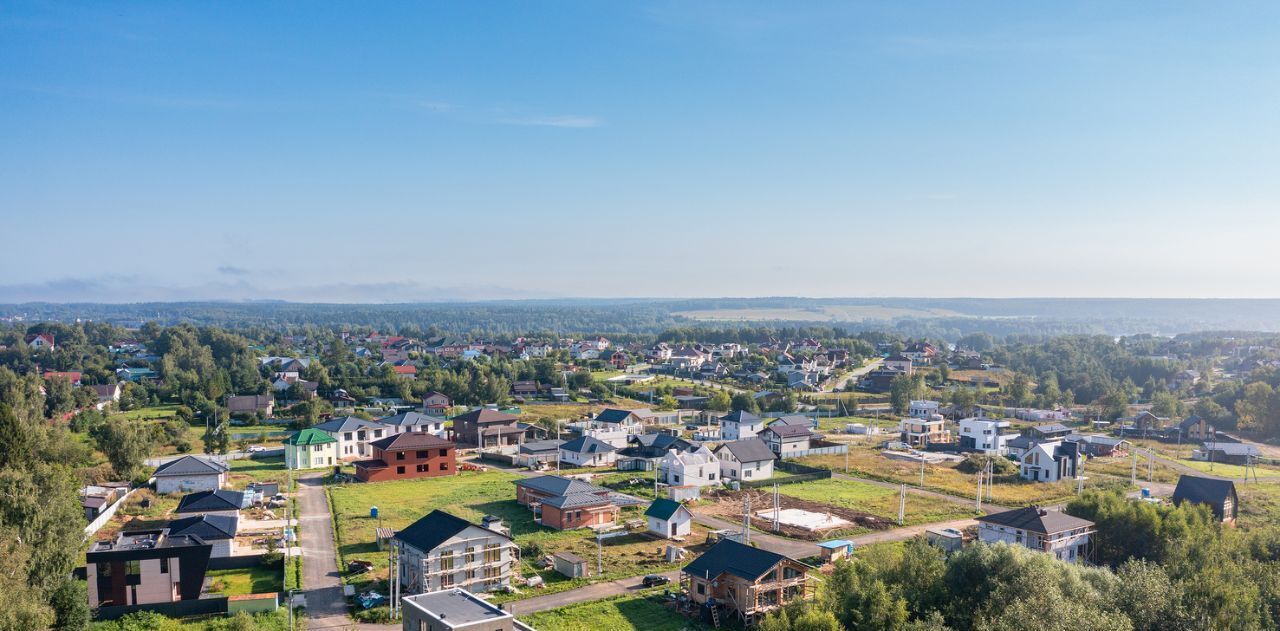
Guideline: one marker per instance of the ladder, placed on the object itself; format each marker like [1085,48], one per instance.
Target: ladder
[715,616]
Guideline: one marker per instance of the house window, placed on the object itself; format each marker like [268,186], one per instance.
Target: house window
[444,466]
[422,468]
[702,589]
[422,454]
[346,436]
[104,569]
[444,453]
[164,565]
[446,580]
[132,567]
[492,572]
[470,556]
[492,553]
[446,560]
[399,455]
[377,433]
[316,448]
[399,470]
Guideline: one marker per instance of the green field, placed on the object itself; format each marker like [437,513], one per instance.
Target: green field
[624,613]
[246,470]
[471,496]
[241,581]
[876,500]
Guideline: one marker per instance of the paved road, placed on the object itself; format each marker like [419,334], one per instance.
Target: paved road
[582,594]
[843,382]
[326,606]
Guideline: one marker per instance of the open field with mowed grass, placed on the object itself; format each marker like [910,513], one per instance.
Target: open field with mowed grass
[623,613]
[1259,504]
[471,496]
[1008,490]
[877,500]
[246,470]
[249,580]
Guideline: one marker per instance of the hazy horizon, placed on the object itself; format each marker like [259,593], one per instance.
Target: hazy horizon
[398,154]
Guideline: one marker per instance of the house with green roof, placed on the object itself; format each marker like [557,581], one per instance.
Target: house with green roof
[669,519]
[310,448]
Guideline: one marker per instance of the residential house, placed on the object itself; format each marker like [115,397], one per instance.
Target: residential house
[525,389]
[1040,416]
[408,455]
[1227,453]
[668,519]
[1196,428]
[566,503]
[39,341]
[1019,445]
[585,451]
[145,567]
[354,435]
[922,432]
[219,531]
[310,448]
[220,502]
[189,473]
[644,450]
[1064,536]
[107,394]
[747,581]
[920,353]
[1050,462]
[785,440]
[745,460]
[900,363]
[455,610]
[414,422]
[626,420]
[1048,432]
[880,379]
[688,358]
[442,551]
[689,468]
[539,452]
[985,436]
[1219,495]
[488,428]
[1145,421]
[436,403]
[797,420]
[923,409]
[95,498]
[251,404]
[405,371]
[135,374]
[739,425]
[658,353]
[72,377]
[1098,445]
[1184,379]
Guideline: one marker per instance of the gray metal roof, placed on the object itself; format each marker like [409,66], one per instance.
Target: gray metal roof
[1035,519]
[347,424]
[588,445]
[749,450]
[456,607]
[189,465]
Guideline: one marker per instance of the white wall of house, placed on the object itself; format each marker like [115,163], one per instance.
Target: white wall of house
[731,469]
[598,459]
[732,430]
[680,525]
[472,568]
[986,435]
[189,483]
[700,468]
[1066,547]
[355,443]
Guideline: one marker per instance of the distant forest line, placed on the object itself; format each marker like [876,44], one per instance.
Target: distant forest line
[939,318]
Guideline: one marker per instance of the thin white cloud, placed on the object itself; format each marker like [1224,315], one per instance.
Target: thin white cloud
[571,122]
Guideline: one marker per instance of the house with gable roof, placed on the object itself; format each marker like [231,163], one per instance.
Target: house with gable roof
[441,551]
[743,580]
[567,503]
[189,473]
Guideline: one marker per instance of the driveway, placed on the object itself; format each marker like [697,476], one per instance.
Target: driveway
[326,606]
[583,594]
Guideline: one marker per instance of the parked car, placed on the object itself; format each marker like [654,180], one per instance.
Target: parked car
[654,580]
[253,449]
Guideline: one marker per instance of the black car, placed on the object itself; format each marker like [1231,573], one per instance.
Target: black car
[654,580]
[692,427]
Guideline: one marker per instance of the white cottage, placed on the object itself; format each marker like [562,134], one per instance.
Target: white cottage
[745,460]
[669,519]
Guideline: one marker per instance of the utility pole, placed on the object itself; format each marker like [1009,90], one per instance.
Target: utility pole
[746,520]
[982,475]
[922,470]
[1133,471]
[902,503]
[776,507]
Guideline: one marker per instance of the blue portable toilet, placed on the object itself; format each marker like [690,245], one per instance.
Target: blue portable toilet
[1146,492]
[373,512]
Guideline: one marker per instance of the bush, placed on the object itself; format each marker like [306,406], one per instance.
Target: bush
[975,462]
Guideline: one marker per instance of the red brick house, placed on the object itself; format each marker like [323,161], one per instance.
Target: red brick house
[566,503]
[408,455]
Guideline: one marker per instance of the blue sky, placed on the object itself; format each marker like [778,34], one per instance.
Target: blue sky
[403,152]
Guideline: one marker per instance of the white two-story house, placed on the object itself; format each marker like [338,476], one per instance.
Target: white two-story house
[354,435]
[689,468]
[740,425]
[985,436]
[1043,530]
[745,460]
[441,551]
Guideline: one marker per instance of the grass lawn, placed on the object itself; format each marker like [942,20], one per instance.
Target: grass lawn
[241,581]
[1008,490]
[152,413]
[623,613]
[1121,467]
[246,470]
[836,424]
[1259,504]
[877,500]
[471,495]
